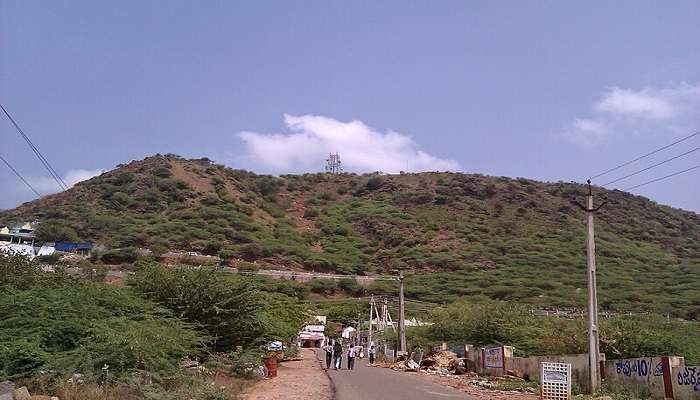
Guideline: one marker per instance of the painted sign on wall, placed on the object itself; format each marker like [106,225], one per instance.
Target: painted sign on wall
[493,357]
[641,367]
[689,376]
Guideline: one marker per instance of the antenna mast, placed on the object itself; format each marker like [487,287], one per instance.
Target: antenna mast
[333,164]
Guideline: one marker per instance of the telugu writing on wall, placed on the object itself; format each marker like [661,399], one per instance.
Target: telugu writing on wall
[639,367]
[689,376]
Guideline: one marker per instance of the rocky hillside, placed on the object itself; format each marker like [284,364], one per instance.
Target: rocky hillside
[464,235]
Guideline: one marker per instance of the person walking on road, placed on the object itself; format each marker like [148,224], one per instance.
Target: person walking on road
[328,348]
[351,356]
[338,355]
[372,354]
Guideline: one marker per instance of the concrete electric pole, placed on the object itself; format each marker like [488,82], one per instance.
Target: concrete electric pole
[402,317]
[358,341]
[593,334]
[369,330]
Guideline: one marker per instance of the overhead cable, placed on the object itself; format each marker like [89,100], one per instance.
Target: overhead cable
[19,176]
[663,177]
[645,155]
[61,183]
[652,166]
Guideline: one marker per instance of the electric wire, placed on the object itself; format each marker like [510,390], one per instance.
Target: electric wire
[61,183]
[645,155]
[19,176]
[662,178]
[651,166]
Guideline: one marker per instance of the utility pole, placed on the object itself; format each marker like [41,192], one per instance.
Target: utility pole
[369,331]
[593,334]
[402,317]
[384,313]
[359,332]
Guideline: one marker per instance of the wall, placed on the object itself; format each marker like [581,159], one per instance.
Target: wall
[686,382]
[529,368]
[642,375]
[647,376]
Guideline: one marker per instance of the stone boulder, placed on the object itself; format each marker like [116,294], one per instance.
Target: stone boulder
[7,390]
[22,394]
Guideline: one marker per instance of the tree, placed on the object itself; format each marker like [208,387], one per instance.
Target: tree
[53,230]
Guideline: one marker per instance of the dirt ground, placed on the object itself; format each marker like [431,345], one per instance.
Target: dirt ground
[296,380]
[462,384]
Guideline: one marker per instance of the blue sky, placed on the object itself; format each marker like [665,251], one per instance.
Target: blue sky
[543,89]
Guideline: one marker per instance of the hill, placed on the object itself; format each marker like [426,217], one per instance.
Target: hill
[463,235]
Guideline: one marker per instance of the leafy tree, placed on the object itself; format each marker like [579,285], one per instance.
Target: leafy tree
[226,307]
[53,230]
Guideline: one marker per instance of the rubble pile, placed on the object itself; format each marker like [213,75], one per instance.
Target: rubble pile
[403,363]
[446,362]
[448,369]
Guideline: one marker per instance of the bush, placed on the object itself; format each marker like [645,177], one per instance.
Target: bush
[50,259]
[62,324]
[117,256]
[253,251]
[52,231]
[323,286]
[20,358]
[123,344]
[374,183]
[224,306]
[162,172]
[311,213]
[212,248]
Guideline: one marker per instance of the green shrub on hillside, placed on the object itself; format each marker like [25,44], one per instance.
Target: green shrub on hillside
[54,230]
[226,307]
[53,322]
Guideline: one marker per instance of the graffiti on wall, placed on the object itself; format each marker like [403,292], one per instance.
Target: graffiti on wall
[689,376]
[641,367]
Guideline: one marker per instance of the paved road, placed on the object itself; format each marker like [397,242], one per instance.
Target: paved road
[374,383]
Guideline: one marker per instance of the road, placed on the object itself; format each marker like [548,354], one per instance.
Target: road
[375,383]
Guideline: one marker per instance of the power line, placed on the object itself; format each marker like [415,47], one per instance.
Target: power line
[47,165]
[19,176]
[662,178]
[652,166]
[645,155]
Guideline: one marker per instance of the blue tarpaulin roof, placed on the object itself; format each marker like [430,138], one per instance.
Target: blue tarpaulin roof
[70,246]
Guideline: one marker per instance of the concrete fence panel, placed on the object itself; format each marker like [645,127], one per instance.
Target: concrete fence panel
[686,382]
[647,376]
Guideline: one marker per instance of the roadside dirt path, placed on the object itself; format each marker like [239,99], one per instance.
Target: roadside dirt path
[296,380]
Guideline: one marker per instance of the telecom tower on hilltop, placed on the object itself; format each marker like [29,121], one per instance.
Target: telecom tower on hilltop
[333,164]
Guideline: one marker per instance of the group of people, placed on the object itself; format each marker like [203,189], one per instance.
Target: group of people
[334,354]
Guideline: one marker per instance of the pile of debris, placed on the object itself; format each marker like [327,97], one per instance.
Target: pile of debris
[404,363]
[445,362]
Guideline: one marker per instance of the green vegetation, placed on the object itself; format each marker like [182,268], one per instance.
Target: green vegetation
[507,324]
[132,339]
[463,236]
[225,307]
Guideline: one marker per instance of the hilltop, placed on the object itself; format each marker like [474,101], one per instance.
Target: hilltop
[462,235]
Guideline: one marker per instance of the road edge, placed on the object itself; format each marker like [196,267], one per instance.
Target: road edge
[321,362]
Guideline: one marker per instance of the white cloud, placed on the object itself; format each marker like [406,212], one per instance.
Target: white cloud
[622,111]
[362,148]
[586,132]
[646,103]
[46,184]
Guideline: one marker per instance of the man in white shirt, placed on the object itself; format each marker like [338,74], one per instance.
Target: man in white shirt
[351,356]
[328,348]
